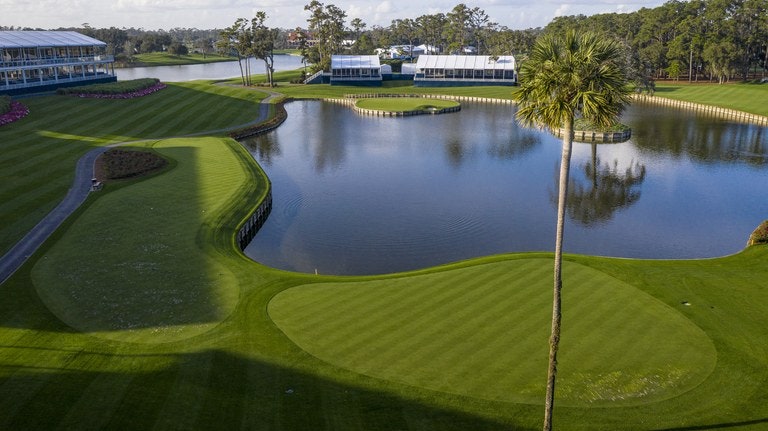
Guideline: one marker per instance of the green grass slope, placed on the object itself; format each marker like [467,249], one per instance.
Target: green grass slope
[745,97]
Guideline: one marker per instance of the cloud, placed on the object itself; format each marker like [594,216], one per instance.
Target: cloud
[563,10]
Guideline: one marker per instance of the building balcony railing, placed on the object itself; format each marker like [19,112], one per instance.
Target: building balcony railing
[55,61]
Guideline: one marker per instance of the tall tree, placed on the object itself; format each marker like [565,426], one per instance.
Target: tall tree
[458,28]
[263,44]
[326,24]
[229,43]
[565,77]
[430,29]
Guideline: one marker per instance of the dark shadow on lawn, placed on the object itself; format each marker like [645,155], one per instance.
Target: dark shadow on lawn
[209,390]
[717,426]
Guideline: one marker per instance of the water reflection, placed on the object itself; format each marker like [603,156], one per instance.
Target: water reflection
[366,195]
[608,189]
[700,136]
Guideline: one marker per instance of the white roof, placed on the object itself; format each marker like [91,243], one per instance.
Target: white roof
[355,62]
[33,39]
[475,62]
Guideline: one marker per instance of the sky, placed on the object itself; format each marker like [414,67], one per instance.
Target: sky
[217,14]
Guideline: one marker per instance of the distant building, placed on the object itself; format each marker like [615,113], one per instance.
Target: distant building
[462,70]
[294,39]
[355,70]
[32,61]
[406,52]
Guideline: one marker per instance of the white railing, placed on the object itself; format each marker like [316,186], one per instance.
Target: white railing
[55,61]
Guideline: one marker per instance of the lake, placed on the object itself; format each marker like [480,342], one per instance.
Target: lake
[219,70]
[370,195]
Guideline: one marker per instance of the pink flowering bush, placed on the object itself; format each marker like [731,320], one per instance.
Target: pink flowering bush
[15,112]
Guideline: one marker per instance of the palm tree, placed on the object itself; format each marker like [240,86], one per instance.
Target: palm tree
[565,77]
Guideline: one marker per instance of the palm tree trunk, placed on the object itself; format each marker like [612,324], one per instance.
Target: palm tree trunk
[554,339]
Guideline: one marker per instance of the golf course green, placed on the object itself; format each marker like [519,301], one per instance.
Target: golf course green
[140,312]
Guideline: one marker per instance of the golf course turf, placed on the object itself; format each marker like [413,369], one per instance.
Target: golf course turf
[141,313]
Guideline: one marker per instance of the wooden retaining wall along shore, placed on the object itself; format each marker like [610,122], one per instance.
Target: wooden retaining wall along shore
[251,226]
[714,111]
[605,137]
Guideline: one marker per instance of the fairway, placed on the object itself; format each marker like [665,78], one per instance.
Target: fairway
[149,231]
[482,332]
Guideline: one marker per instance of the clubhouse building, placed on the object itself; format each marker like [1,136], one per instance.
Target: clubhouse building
[36,61]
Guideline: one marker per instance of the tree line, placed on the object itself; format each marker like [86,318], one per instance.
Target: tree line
[694,40]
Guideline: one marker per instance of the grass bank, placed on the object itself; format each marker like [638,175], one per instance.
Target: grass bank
[746,97]
[141,313]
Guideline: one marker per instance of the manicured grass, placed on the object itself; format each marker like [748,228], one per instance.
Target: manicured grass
[128,236]
[140,312]
[481,332]
[746,97]
[37,154]
[404,104]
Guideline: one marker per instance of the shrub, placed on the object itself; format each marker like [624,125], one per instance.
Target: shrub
[119,164]
[132,88]
[582,124]
[760,235]
[5,104]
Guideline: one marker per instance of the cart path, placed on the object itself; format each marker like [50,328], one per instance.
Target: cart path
[78,193]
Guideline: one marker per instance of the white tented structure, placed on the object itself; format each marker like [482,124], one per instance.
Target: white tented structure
[45,60]
[355,70]
[460,70]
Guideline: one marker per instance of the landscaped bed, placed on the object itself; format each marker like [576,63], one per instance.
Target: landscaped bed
[11,110]
[116,90]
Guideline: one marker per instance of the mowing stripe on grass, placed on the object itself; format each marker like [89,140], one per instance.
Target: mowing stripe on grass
[88,279]
[492,321]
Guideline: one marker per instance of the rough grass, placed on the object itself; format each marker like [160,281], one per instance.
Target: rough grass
[218,361]
[404,104]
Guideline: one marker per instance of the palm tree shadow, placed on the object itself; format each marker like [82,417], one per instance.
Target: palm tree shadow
[210,389]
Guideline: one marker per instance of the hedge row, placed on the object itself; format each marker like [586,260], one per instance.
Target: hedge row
[112,88]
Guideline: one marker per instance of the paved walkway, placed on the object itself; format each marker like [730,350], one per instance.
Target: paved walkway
[77,194]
